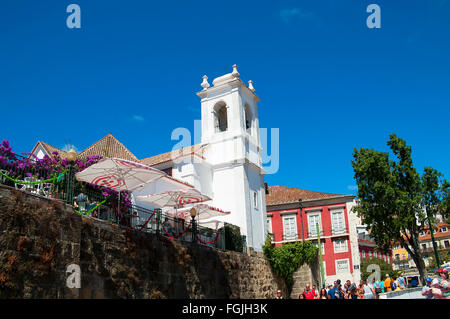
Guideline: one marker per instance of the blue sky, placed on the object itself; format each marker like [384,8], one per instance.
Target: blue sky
[325,80]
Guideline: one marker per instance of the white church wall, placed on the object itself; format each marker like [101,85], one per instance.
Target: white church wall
[258,214]
[354,221]
[229,195]
[229,152]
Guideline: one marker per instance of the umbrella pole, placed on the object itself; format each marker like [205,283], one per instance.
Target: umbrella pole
[118,209]
[176,218]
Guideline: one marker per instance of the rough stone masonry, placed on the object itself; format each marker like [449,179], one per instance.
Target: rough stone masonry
[40,237]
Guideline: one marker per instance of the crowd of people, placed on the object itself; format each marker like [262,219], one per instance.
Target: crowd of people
[438,288]
[351,290]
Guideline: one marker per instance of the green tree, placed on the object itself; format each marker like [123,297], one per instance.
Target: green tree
[287,258]
[444,207]
[395,200]
[444,256]
[385,268]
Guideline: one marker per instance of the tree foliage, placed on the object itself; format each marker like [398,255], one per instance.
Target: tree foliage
[233,238]
[385,268]
[287,258]
[444,256]
[394,199]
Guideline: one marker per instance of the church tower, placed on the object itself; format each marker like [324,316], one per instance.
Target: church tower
[230,128]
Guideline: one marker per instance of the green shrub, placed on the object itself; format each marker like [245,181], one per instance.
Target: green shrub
[385,268]
[233,238]
[287,258]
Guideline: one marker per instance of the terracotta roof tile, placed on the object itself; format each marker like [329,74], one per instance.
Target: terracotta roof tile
[285,195]
[50,149]
[197,149]
[438,233]
[109,146]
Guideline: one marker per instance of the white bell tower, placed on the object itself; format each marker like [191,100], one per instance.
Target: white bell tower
[230,127]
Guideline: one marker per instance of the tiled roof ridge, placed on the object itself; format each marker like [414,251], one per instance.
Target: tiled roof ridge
[286,194]
[107,139]
[50,148]
[304,189]
[171,155]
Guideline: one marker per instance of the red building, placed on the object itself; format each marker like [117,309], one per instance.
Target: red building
[289,221]
[369,249]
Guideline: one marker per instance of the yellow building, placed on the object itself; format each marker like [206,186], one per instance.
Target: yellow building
[400,258]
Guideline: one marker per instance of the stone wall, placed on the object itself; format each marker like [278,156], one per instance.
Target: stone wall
[39,238]
[306,274]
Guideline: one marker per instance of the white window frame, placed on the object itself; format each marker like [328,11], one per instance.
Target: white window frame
[336,265]
[338,250]
[313,230]
[269,225]
[340,228]
[255,200]
[315,242]
[289,216]
[444,229]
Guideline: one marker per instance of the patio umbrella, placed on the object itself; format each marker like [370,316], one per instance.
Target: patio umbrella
[203,212]
[119,174]
[174,198]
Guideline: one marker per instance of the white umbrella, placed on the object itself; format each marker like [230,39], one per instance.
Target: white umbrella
[203,212]
[174,198]
[119,174]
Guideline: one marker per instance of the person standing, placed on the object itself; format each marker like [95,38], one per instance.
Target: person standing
[444,283]
[332,292]
[279,296]
[436,289]
[323,294]
[401,282]
[378,289]
[388,283]
[361,290]
[315,290]
[309,293]
[426,290]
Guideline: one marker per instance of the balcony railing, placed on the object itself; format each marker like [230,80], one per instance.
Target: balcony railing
[431,249]
[290,237]
[339,230]
[30,176]
[401,261]
[314,234]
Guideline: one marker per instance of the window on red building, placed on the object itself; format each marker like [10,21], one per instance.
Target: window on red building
[289,227]
[338,222]
[314,219]
[342,265]
[340,245]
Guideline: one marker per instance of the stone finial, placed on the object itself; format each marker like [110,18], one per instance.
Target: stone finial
[235,72]
[250,86]
[205,83]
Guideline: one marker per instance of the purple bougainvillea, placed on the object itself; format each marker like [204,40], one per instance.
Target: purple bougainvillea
[18,166]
